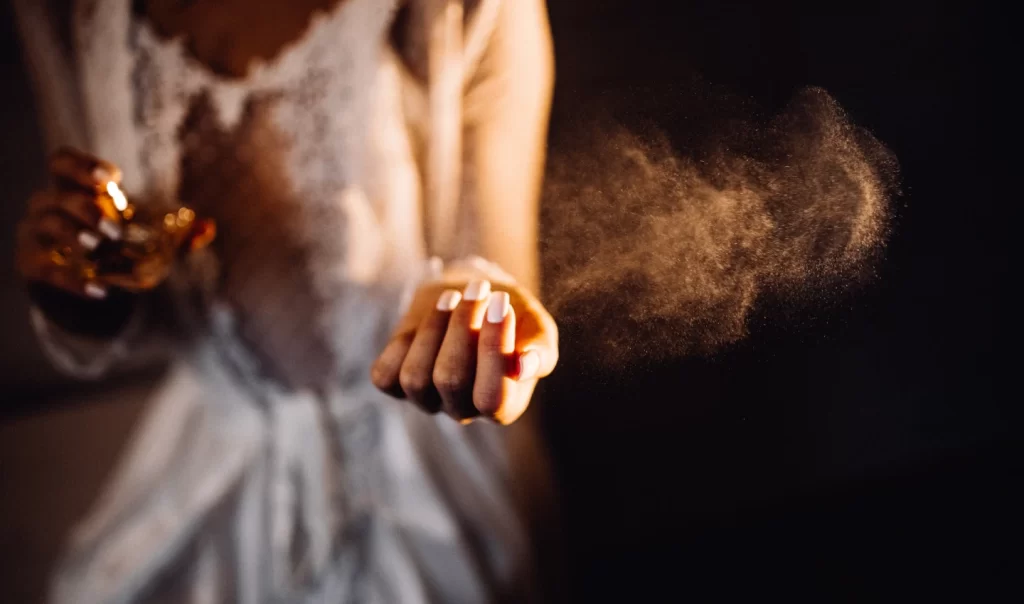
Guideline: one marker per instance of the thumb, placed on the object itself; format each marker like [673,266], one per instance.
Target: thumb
[536,344]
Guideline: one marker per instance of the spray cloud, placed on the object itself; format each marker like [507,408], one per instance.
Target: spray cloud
[663,254]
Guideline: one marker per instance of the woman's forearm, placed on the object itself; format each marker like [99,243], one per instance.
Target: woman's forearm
[507,110]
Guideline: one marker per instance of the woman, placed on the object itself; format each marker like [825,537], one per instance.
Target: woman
[336,144]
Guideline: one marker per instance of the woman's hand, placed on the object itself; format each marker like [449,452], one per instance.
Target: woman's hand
[469,352]
[79,235]
[67,223]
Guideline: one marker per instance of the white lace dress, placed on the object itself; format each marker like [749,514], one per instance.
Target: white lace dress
[267,468]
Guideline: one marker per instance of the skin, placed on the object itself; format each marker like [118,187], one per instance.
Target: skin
[67,224]
[212,34]
[458,362]
[50,246]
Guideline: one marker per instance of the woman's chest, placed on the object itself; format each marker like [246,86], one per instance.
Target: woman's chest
[228,36]
[288,161]
[154,86]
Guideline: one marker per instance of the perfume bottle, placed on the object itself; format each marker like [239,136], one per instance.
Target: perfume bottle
[151,242]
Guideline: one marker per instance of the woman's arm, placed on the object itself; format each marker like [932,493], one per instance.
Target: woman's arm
[507,109]
[507,105]
[100,299]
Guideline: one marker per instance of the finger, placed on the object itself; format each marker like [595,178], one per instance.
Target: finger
[84,210]
[92,210]
[81,205]
[417,374]
[58,231]
[455,367]
[494,388]
[73,170]
[536,343]
[54,269]
[386,369]
[71,167]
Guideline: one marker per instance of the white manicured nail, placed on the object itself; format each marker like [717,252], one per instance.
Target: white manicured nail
[95,291]
[449,300]
[110,228]
[477,290]
[100,175]
[497,307]
[89,241]
[529,365]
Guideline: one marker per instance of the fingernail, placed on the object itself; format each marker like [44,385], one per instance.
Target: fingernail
[449,300]
[477,290]
[110,228]
[88,240]
[497,307]
[95,291]
[100,175]
[529,364]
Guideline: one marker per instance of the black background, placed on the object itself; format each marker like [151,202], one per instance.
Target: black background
[855,450]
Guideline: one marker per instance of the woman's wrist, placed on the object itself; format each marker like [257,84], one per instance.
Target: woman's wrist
[455,274]
[470,268]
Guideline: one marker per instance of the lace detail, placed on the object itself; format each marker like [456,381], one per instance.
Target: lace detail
[279,160]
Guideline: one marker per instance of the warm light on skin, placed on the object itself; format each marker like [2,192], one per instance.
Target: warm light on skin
[120,201]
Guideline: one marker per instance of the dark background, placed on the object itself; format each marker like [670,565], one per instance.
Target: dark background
[857,449]
[841,450]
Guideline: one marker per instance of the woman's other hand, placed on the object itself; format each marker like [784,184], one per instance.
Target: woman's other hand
[67,223]
[470,351]
[79,235]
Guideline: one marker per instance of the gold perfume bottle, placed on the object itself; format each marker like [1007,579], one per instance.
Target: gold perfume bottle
[151,242]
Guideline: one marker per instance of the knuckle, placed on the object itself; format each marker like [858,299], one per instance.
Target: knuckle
[414,381]
[488,400]
[380,377]
[452,381]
